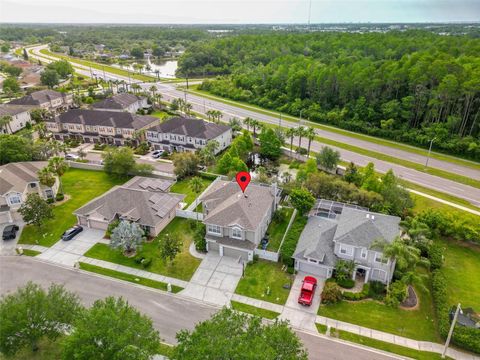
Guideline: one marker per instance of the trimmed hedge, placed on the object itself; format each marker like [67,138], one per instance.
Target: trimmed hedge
[291,240]
[356,296]
[466,338]
[346,283]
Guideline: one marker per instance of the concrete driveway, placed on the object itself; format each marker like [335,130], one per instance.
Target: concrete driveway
[69,252]
[215,280]
[302,317]
[7,247]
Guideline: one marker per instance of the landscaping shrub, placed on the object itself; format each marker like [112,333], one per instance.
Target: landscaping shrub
[331,293]
[146,262]
[99,147]
[290,242]
[435,255]
[142,149]
[302,151]
[139,259]
[396,294]
[199,237]
[50,201]
[59,197]
[110,228]
[346,283]
[466,338]
[377,290]
[356,296]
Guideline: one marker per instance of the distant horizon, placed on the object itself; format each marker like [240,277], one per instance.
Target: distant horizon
[243,24]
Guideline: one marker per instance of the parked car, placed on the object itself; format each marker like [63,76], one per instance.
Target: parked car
[72,157]
[157,153]
[307,292]
[72,232]
[10,232]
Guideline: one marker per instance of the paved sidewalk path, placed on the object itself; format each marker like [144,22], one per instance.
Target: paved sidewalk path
[394,339]
[33,247]
[132,271]
[193,251]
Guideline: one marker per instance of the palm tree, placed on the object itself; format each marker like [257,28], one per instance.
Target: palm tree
[196,186]
[5,123]
[135,88]
[301,132]
[46,177]
[187,108]
[248,121]
[153,89]
[41,128]
[58,166]
[255,124]
[310,135]
[291,133]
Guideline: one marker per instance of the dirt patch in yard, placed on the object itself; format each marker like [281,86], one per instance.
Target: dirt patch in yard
[411,302]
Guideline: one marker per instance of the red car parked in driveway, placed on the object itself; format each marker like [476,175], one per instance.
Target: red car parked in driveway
[308,291]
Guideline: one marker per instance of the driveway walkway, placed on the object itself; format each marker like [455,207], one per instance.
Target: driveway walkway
[7,247]
[69,252]
[215,280]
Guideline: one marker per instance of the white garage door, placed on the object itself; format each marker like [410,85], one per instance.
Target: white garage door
[235,253]
[212,247]
[101,225]
[313,269]
[4,217]
[83,221]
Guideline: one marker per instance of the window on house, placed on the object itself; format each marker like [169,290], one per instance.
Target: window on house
[15,199]
[236,233]
[214,229]
[33,185]
[380,259]
[364,253]
[313,261]
[343,250]
[49,193]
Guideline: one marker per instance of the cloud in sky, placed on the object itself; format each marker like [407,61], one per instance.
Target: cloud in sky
[237,11]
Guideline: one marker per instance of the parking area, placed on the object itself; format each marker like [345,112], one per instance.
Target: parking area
[68,252]
[7,247]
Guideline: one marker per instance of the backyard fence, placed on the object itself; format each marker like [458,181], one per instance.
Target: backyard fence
[189,214]
[266,255]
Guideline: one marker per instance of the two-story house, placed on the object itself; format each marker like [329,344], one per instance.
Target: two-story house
[17,180]
[349,233]
[46,99]
[91,126]
[122,102]
[20,117]
[188,134]
[236,222]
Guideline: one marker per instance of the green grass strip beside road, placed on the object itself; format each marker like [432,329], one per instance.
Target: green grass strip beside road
[380,345]
[29,252]
[267,314]
[128,277]
[413,149]
[97,66]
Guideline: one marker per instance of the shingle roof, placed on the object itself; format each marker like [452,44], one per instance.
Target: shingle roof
[38,97]
[146,207]
[226,205]
[119,101]
[191,127]
[9,109]
[150,184]
[16,176]
[116,119]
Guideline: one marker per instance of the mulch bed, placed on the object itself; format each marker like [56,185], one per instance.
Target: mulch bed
[411,301]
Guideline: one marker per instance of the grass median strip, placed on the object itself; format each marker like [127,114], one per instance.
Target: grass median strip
[267,314]
[128,277]
[413,149]
[29,252]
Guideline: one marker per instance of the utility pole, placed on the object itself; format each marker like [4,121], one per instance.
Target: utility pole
[280,121]
[429,151]
[104,76]
[451,331]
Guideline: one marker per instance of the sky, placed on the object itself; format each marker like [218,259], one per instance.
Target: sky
[237,11]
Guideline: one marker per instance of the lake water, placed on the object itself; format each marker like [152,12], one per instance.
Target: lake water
[166,68]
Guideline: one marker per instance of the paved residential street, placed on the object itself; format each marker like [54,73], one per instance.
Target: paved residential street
[170,313]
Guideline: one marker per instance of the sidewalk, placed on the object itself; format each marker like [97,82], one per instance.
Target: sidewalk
[33,247]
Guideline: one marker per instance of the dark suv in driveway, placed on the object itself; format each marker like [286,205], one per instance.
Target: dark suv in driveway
[70,233]
[10,232]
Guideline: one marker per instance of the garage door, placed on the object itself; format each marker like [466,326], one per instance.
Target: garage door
[4,218]
[235,253]
[212,246]
[313,269]
[83,221]
[98,225]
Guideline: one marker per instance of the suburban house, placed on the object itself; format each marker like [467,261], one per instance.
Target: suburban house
[143,200]
[91,126]
[122,102]
[236,222]
[46,99]
[20,117]
[17,180]
[188,134]
[339,231]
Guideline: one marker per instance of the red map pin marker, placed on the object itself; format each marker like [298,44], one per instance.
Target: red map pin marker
[243,179]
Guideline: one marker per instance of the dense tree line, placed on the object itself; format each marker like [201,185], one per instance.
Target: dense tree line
[408,86]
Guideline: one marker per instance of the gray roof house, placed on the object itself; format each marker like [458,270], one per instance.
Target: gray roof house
[46,99]
[92,126]
[142,200]
[17,180]
[188,134]
[235,221]
[122,102]
[347,235]
[20,117]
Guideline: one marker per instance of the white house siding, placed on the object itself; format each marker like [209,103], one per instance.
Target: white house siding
[18,122]
[224,140]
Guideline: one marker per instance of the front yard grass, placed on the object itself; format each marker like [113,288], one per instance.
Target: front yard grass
[249,309]
[461,270]
[182,268]
[128,277]
[28,252]
[277,228]
[80,186]
[162,115]
[261,275]
[183,187]
[417,324]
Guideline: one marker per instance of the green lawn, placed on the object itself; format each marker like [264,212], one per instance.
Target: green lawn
[128,277]
[277,229]
[462,272]
[261,275]
[47,350]
[29,252]
[385,346]
[267,314]
[415,324]
[182,268]
[161,114]
[81,186]
[183,187]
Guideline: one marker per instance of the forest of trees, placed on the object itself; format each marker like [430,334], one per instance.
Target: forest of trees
[408,86]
